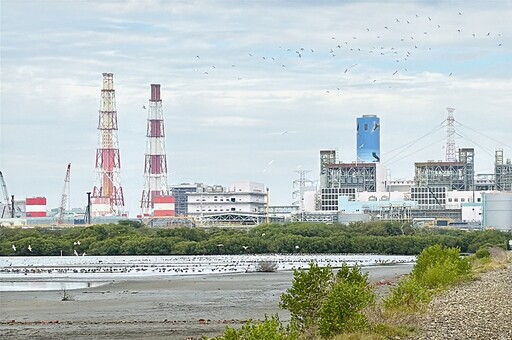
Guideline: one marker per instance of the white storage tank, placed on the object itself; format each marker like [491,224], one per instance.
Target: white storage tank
[497,210]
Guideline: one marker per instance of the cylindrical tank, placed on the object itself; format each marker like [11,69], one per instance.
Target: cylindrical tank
[497,210]
[368,139]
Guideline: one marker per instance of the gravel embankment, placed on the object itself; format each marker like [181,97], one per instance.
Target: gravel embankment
[480,309]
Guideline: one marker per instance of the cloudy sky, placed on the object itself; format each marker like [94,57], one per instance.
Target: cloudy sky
[251,90]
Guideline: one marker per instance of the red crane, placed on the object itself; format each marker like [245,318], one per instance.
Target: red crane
[64,197]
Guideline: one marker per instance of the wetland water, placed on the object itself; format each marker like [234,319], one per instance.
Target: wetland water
[155,305]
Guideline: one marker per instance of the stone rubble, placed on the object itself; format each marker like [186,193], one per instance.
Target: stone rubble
[480,309]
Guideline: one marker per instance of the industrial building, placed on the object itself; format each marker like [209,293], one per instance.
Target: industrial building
[240,202]
[446,190]
[441,191]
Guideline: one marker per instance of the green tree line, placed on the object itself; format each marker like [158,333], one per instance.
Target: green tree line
[133,238]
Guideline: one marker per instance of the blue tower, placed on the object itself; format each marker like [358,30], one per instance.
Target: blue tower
[368,139]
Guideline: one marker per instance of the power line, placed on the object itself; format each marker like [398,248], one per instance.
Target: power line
[406,146]
[478,132]
[412,153]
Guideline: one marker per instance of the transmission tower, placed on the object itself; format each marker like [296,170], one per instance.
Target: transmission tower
[107,194]
[299,185]
[64,197]
[155,162]
[450,137]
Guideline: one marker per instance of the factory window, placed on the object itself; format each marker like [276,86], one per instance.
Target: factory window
[233,199]
[365,127]
[478,199]
[449,199]
[456,200]
[463,200]
[233,209]
[215,200]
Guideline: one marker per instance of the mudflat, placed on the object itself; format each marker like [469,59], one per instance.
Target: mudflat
[186,307]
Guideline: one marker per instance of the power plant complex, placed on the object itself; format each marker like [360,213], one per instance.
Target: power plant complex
[442,193]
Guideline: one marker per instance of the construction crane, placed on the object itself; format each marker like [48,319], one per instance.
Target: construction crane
[6,196]
[64,197]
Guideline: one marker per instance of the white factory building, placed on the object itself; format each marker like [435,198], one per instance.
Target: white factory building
[237,198]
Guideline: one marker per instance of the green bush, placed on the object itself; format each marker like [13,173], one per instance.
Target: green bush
[447,262]
[436,268]
[305,296]
[342,307]
[330,304]
[407,295]
[482,253]
[269,329]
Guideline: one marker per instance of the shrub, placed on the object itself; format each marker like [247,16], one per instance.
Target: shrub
[437,267]
[482,253]
[305,296]
[266,266]
[408,294]
[269,329]
[446,261]
[342,307]
[330,304]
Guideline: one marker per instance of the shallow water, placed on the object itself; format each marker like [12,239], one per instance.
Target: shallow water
[24,286]
[34,273]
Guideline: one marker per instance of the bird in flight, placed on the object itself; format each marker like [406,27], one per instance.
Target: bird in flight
[13,247]
[144,107]
[29,247]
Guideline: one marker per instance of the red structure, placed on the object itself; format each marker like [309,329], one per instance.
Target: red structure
[163,206]
[107,195]
[35,206]
[155,163]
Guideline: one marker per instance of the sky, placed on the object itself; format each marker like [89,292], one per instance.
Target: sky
[251,90]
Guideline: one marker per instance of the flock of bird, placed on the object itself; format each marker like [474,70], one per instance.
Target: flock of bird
[409,36]
[29,248]
[184,265]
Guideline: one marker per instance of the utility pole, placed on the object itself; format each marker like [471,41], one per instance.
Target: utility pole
[88,209]
[268,206]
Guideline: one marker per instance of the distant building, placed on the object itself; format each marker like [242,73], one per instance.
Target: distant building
[242,197]
[241,202]
[180,193]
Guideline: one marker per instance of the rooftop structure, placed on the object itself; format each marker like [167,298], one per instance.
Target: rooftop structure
[452,175]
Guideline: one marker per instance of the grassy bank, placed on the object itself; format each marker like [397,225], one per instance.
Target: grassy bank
[340,306]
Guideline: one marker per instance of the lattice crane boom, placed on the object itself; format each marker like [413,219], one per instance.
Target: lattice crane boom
[5,195]
[64,197]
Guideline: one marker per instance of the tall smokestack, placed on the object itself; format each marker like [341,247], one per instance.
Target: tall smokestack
[155,162]
[107,194]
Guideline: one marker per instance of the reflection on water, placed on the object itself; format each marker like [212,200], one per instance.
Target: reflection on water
[23,286]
